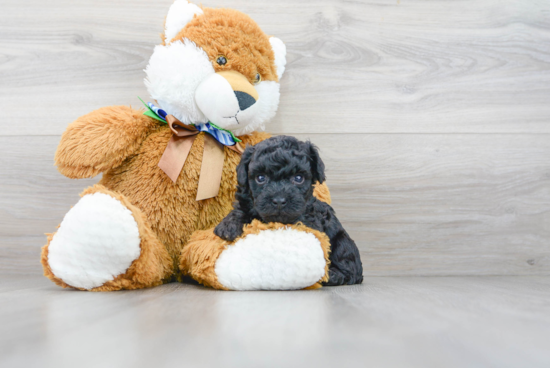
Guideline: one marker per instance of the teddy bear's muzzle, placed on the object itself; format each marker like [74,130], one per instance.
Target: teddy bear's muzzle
[245,100]
[223,95]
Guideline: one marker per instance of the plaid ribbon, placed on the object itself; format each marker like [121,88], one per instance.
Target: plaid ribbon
[180,144]
[223,136]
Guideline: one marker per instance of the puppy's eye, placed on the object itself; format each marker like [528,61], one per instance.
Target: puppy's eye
[221,60]
[257,78]
[298,179]
[260,179]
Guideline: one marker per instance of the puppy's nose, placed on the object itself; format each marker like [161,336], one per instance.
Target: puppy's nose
[245,100]
[279,202]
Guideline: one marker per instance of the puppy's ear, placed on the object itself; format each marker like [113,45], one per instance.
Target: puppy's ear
[243,194]
[317,165]
[242,167]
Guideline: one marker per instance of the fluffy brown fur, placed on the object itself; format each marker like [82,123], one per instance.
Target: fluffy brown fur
[93,144]
[229,33]
[171,207]
[198,258]
[321,192]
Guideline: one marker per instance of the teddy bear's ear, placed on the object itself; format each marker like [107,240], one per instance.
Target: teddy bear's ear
[181,12]
[279,49]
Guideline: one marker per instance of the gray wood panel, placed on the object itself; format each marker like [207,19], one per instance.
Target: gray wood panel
[403,322]
[416,204]
[433,118]
[354,66]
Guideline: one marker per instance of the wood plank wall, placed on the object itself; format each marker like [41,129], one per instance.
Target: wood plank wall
[433,118]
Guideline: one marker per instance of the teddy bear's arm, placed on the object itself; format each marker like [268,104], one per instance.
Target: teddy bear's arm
[265,257]
[101,140]
[321,192]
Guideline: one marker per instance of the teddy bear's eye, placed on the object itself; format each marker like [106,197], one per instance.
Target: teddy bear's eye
[221,60]
[298,179]
[260,179]
[257,78]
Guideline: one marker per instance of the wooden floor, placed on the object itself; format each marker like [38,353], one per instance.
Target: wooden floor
[387,322]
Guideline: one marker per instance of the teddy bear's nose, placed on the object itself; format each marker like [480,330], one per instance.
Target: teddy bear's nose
[245,100]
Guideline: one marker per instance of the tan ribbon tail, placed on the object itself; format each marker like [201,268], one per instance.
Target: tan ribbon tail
[180,129]
[211,169]
[237,148]
[175,154]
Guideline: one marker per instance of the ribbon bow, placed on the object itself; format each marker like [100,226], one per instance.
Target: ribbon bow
[179,146]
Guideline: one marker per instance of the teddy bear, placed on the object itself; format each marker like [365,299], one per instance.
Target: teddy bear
[169,171]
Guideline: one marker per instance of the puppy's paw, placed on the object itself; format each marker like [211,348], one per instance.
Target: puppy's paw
[337,278]
[229,230]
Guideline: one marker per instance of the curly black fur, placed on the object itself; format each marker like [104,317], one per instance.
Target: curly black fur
[281,198]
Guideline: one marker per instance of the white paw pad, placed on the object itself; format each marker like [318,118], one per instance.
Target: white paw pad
[97,241]
[283,259]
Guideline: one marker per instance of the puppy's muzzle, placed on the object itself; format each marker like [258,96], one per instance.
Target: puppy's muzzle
[279,202]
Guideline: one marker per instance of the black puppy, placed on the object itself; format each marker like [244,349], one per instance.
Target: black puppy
[275,184]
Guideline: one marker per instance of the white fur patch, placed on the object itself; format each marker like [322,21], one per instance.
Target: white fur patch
[279,49]
[217,101]
[173,74]
[97,241]
[256,116]
[181,12]
[283,259]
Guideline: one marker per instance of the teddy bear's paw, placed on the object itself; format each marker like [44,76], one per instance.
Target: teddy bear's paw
[97,241]
[283,259]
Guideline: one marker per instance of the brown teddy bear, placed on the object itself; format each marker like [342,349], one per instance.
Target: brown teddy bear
[171,170]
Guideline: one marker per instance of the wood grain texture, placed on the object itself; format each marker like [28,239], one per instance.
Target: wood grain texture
[433,119]
[413,322]
[444,204]
[354,66]
[424,204]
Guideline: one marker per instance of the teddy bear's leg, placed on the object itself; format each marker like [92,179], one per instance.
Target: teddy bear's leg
[104,243]
[265,257]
